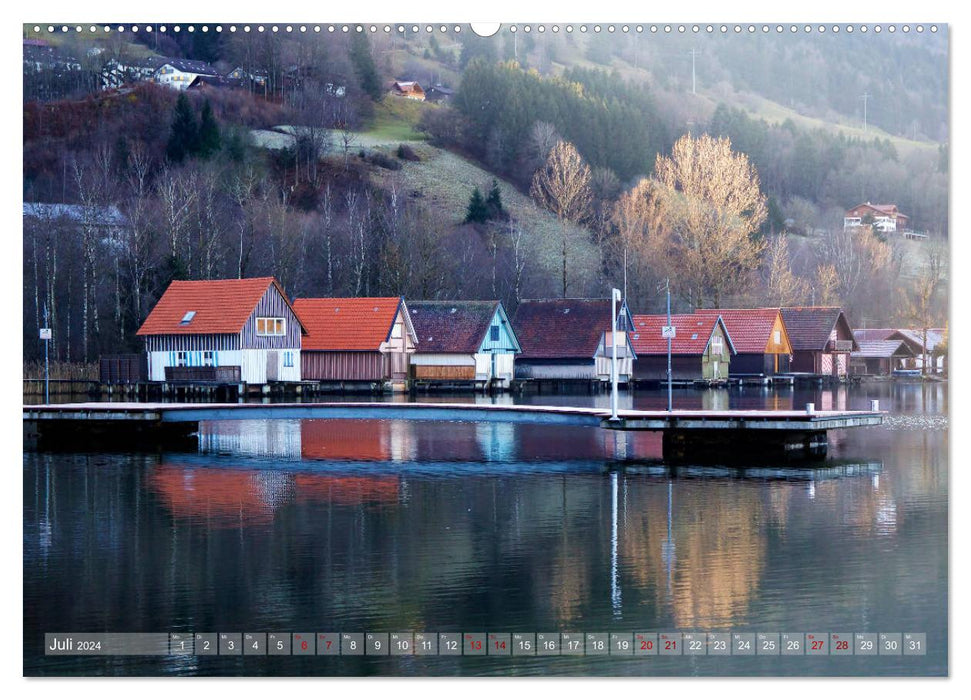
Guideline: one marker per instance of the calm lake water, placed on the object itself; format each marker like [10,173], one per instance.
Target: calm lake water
[389,526]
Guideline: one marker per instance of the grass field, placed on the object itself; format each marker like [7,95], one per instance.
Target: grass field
[395,119]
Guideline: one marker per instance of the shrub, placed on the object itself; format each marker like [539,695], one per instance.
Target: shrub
[407,153]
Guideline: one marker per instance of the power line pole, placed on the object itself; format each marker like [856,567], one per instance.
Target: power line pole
[865,96]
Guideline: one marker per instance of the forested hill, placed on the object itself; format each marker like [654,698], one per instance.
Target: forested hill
[821,75]
[367,192]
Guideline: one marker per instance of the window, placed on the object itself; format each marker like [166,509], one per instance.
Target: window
[288,359]
[716,345]
[777,337]
[271,326]
[494,333]
[208,358]
[396,330]
[181,359]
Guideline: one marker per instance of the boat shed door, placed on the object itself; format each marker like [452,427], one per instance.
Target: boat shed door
[272,366]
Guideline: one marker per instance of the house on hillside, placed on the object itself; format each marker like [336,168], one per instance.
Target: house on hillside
[465,341]
[564,339]
[257,78]
[178,73]
[235,330]
[821,338]
[701,349]
[205,82]
[760,339]
[408,88]
[880,357]
[367,340]
[885,218]
[439,93]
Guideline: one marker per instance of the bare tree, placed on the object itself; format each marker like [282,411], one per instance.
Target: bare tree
[712,206]
[562,185]
[923,306]
[782,286]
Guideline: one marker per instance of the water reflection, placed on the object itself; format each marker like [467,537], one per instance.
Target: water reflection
[357,525]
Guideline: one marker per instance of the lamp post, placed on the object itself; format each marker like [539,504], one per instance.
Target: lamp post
[614,299]
[667,285]
[45,335]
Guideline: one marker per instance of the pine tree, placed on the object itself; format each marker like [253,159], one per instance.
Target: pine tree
[364,66]
[478,212]
[494,202]
[209,141]
[184,134]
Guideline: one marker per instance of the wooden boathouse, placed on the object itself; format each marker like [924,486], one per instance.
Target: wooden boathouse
[357,341]
[821,338]
[760,339]
[224,332]
[463,343]
[701,350]
[564,339]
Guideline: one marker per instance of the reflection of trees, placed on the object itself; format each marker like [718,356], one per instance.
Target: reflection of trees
[718,555]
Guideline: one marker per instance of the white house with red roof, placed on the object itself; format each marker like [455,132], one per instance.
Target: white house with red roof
[352,339]
[885,218]
[227,331]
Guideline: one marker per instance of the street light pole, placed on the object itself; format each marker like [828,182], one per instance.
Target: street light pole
[614,298]
[47,363]
[667,284]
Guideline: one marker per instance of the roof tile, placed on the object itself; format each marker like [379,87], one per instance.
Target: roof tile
[220,306]
[750,329]
[347,323]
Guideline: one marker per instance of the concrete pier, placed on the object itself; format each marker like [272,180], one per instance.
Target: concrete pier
[687,434]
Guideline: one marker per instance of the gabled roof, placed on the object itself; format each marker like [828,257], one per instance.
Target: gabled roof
[216,81]
[693,333]
[751,329]
[350,323]
[453,326]
[882,349]
[809,327]
[563,328]
[189,66]
[219,306]
[885,209]
[916,336]
[913,337]
[862,334]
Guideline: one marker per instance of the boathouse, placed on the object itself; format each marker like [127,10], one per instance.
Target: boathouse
[760,339]
[701,350]
[880,357]
[463,341]
[821,338]
[350,339]
[560,339]
[913,338]
[224,331]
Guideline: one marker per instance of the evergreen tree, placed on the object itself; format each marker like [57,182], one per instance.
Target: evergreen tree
[494,202]
[478,211]
[367,74]
[184,134]
[209,141]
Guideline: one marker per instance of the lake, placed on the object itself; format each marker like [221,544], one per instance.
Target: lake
[391,526]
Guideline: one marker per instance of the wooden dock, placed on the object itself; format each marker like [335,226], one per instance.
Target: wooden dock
[687,434]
